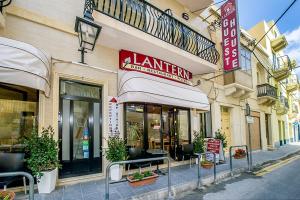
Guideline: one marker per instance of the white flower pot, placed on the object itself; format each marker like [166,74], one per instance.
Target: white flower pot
[46,184]
[116,172]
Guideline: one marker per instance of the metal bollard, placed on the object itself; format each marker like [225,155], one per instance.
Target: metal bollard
[230,157]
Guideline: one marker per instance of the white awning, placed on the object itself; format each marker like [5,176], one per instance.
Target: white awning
[22,64]
[140,87]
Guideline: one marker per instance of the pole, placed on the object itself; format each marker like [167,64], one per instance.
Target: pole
[250,148]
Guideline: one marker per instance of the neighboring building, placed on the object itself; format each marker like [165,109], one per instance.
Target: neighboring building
[43,84]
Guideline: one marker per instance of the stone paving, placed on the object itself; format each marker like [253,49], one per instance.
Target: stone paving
[95,190]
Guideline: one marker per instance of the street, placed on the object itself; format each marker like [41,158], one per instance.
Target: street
[279,181]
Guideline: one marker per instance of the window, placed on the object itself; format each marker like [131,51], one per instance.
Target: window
[275,62]
[245,60]
[18,115]
[205,124]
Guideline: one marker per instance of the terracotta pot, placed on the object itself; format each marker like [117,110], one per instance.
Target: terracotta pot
[7,193]
[239,156]
[145,181]
[207,165]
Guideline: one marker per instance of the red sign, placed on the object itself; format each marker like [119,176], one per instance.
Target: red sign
[146,64]
[213,146]
[230,35]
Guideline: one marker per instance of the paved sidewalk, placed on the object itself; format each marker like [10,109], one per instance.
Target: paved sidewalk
[181,175]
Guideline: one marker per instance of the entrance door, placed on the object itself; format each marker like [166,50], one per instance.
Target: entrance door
[80,134]
[225,126]
[179,130]
[255,132]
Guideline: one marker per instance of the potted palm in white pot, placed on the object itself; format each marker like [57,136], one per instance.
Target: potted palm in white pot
[43,159]
[115,152]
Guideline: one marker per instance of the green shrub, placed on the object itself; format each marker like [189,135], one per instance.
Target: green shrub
[198,142]
[42,150]
[221,136]
[116,149]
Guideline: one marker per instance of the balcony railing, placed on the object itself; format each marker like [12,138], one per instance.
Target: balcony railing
[284,62]
[160,24]
[266,90]
[284,101]
[4,3]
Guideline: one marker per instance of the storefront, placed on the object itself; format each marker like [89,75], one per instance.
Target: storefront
[158,99]
[24,72]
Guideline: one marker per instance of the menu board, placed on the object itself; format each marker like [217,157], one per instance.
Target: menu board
[113,116]
[214,146]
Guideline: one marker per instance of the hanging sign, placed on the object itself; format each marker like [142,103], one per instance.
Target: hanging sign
[214,146]
[146,64]
[113,116]
[230,35]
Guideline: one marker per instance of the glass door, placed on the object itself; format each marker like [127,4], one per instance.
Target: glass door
[80,134]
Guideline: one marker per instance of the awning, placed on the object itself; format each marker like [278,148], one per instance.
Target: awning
[22,64]
[140,87]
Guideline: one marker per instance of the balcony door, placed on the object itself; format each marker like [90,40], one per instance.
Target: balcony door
[80,129]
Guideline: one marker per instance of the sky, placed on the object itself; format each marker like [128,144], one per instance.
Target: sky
[253,11]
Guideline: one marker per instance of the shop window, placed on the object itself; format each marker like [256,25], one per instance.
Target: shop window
[246,60]
[18,115]
[205,124]
[183,126]
[135,125]
[154,126]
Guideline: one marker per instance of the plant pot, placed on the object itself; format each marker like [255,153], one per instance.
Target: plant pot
[239,156]
[116,172]
[46,184]
[207,165]
[145,181]
[11,195]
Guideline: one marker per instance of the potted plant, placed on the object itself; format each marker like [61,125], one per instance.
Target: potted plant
[221,136]
[198,143]
[206,164]
[141,179]
[239,154]
[42,158]
[116,151]
[7,195]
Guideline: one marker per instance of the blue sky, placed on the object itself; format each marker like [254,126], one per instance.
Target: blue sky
[253,11]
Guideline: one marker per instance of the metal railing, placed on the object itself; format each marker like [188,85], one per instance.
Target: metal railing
[160,24]
[282,62]
[266,90]
[284,101]
[4,3]
[199,168]
[107,182]
[29,176]
[230,157]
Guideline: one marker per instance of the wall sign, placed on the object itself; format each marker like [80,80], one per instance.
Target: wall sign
[230,35]
[138,62]
[113,116]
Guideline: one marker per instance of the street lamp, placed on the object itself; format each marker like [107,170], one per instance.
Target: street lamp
[87,30]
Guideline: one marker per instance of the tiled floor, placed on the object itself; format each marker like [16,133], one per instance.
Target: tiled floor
[95,190]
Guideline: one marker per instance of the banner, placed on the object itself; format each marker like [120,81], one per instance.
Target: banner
[230,35]
[146,64]
[113,116]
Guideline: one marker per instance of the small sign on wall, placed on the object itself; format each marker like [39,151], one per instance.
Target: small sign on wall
[113,116]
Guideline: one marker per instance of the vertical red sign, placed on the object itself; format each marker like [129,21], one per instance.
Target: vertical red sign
[230,35]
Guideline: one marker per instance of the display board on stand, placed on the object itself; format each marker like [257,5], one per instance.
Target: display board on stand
[214,146]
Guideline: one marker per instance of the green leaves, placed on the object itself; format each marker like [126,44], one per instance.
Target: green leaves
[116,149]
[221,136]
[198,142]
[43,151]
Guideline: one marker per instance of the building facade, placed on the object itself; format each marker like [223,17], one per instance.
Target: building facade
[159,60]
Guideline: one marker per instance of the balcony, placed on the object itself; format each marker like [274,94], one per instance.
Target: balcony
[141,27]
[238,84]
[292,84]
[282,69]
[3,4]
[279,43]
[282,105]
[194,5]
[266,94]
